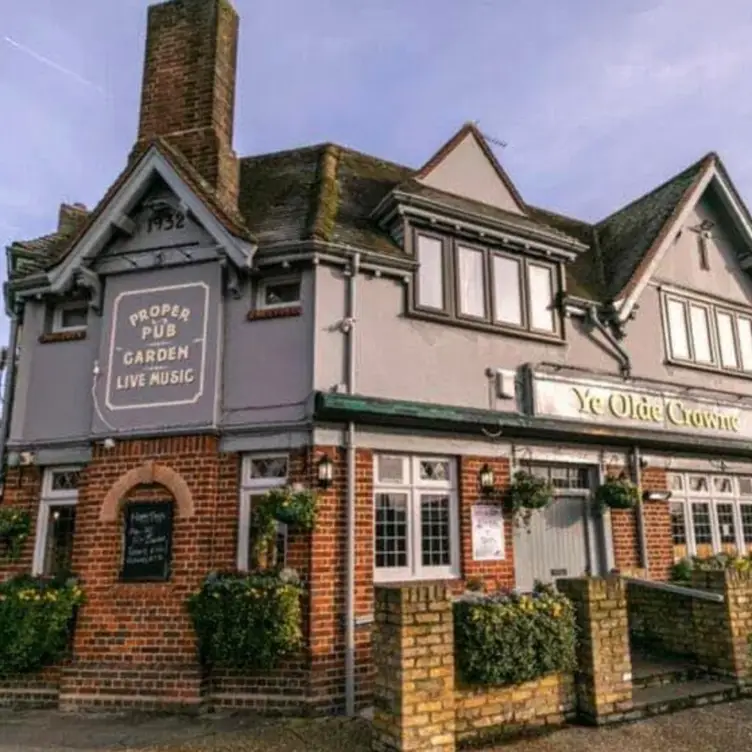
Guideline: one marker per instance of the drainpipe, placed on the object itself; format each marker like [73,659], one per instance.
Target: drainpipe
[625,364]
[642,538]
[8,392]
[348,326]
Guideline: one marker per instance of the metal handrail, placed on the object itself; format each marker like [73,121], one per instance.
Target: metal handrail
[666,587]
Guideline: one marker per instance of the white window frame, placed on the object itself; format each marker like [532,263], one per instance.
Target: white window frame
[263,284]
[422,271]
[57,316]
[50,500]
[413,488]
[712,498]
[254,487]
[551,305]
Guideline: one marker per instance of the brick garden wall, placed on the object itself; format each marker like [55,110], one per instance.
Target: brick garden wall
[660,621]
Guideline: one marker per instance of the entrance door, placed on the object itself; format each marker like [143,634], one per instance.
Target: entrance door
[559,540]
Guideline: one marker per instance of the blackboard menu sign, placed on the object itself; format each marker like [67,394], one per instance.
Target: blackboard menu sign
[147,550]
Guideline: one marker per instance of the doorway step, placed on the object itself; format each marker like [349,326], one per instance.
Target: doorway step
[662,685]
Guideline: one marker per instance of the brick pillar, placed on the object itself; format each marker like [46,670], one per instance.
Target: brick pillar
[604,672]
[722,630]
[413,647]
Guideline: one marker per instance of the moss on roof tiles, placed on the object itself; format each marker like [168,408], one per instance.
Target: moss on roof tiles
[629,233]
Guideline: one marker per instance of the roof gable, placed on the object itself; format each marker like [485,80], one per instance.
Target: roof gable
[465,166]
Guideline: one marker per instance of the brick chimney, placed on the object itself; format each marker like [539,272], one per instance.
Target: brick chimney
[188,91]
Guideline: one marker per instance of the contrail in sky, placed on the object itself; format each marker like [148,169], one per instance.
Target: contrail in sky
[50,63]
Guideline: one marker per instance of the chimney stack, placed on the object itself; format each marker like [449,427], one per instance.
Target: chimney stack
[188,91]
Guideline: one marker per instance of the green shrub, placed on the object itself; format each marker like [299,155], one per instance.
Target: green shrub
[617,493]
[681,571]
[247,621]
[509,639]
[15,528]
[36,621]
[526,493]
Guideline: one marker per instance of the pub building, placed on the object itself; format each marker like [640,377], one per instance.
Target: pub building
[401,339]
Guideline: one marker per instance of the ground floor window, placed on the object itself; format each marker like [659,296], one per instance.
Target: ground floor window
[416,527]
[259,474]
[710,514]
[56,522]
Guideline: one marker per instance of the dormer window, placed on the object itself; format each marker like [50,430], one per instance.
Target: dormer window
[483,285]
[70,317]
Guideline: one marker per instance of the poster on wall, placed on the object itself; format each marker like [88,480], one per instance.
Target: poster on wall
[488,532]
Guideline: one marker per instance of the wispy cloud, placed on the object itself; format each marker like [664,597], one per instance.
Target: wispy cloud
[52,64]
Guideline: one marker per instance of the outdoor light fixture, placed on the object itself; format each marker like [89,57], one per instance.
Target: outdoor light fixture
[656,495]
[325,471]
[486,477]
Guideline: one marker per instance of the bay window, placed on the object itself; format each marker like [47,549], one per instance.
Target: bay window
[708,335]
[482,285]
[416,527]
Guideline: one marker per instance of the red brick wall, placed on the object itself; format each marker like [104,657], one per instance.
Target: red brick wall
[493,574]
[657,525]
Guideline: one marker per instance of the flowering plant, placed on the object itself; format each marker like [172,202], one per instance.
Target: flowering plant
[15,528]
[617,493]
[36,622]
[526,493]
[510,638]
[247,621]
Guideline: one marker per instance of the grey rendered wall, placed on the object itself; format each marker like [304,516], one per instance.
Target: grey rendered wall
[403,358]
[268,364]
[53,386]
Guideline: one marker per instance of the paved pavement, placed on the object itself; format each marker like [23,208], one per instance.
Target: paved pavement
[710,729]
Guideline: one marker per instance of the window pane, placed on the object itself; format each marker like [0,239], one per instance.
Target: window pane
[435,530]
[726,340]
[269,468]
[678,530]
[58,548]
[722,485]
[71,318]
[702,530]
[435,470]
[65,480]
[676,482]
[698,484]
[472,289]
[726,527]
[701,334]
[745,485]
[391,469]
[746,510]
[281,293]
[276,556]
[507,297]
[430,273]
[677,328]
[391,530]
[745,343]
[541,298]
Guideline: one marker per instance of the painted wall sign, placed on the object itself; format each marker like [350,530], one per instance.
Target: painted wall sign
[488,532]
[157,347]
[638,408]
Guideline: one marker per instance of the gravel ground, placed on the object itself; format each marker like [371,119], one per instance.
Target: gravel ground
[710,729]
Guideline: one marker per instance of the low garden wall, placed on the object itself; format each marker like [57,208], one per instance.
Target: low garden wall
[478,669]
[660,621]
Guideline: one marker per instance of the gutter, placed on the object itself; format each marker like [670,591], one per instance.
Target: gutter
[8,394]
[348,328]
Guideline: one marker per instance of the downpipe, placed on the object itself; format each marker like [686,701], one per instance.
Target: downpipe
[641,532]
[8,393]
[351,447]
[625,363]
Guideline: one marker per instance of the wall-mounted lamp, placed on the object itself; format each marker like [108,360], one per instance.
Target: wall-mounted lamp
[27,458]
[656,495]
[325,471]
[486,478]
[109,443]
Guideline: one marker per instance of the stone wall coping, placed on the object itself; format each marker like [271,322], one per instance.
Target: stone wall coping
[666,587]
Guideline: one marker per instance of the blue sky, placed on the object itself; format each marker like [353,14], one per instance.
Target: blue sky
[597,101]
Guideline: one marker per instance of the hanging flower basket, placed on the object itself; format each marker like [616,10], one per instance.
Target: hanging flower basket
[294,508]
[15,528]
[527,493]
[617,493]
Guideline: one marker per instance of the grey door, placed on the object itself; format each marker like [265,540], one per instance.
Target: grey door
[555,544]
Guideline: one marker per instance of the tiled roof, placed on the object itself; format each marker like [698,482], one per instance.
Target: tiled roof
[329,192]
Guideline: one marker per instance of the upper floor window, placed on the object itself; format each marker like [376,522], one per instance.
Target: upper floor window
[70,317]
[708,335]
[278,292]
[478,284]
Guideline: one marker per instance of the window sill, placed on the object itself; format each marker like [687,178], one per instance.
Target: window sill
[74,336]
[260,314]
[479,326]
[717,370]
